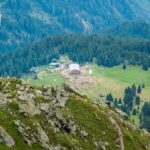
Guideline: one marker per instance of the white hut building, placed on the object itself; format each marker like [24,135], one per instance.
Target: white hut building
[74,69]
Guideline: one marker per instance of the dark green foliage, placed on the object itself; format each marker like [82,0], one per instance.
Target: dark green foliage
[125,109]
[124,66]
[128,98]
[134,112]
[116,103]
[143,86]
[139,90]
[106,50]
[34,20]
[137,100]
[130,95]
[135,29]
[133,89]
[120,101]
[145,116]
[145,67]
[109,97]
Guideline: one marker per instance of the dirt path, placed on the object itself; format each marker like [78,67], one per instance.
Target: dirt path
[114,122]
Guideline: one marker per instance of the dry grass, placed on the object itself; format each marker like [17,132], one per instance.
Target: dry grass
[106,85]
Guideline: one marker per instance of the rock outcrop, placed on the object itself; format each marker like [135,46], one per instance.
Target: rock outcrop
[5,138]
[29,108]
[57,118]
[43,137]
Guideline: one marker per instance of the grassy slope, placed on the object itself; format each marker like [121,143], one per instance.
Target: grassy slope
[116,79]
[46,79]
[93,120]
[85,114]
[133,74]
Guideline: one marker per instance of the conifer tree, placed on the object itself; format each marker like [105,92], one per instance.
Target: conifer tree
[139,90]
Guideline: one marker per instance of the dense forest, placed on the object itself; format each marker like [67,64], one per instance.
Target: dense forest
[139,30]
[25,21]
[105,50]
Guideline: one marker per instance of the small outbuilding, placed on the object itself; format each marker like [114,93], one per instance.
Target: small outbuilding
[54,65]
[34,70]
[54,60]
[74,69]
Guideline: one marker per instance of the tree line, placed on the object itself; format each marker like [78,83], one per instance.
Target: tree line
[105,50]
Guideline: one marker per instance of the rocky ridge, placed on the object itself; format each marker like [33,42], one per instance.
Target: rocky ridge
[55,118]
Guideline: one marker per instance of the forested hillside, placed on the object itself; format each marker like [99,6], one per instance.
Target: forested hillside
[104,50]
[139,30]
[25,21]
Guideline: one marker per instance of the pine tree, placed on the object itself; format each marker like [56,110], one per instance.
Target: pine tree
[116,103]
[133,88]
[120,101]
[145,67]
[124,66]
[145,116]
[143,86]
[137,100]
[134,112]
[109,97]
[139,90]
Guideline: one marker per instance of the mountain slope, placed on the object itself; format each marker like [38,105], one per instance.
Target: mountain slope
[26,21]
[137,30]
[59,118]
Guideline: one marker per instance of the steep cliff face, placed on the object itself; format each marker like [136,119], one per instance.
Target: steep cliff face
[26,21]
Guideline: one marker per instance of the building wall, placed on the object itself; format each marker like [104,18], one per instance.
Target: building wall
[75,72]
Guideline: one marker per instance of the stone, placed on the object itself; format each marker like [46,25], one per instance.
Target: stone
[38,93]
[101,145]
[62,102]
[44,107]
[20,87]
[23,129]
[71,127]
[5,138]
[29,108]
[48,92]
[3,104]
[42,134]
[102,95]
[84,134]
[57,148]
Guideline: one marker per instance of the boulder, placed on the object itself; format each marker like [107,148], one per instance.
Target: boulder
[70,125]
[84,134]
[38,93]
[5,138]
[57,148]
[101,145]
[48,92]
[101,95]
[29,108]
[42,134]
[62,102]
[44,107]
[24,130]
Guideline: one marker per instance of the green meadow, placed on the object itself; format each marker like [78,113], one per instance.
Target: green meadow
[133,74]
[115,80]
[46,79]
